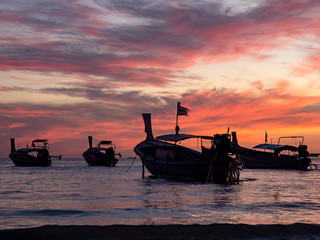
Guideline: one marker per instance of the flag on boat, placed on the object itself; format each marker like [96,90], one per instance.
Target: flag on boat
[182,110]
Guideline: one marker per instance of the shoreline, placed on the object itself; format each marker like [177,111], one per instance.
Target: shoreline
[126,232]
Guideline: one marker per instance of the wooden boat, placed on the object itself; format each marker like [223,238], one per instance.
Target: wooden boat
[165,158]
[36,155]
[277,156]
[102,155]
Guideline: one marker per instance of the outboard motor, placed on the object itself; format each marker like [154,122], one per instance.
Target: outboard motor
[90,141]
[13,145]
[302,150]
[110,152]
[223,144]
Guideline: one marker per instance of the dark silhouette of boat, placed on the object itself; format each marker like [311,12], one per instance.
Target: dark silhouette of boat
[164,158]
[277,156]
[102,155]
[35,155]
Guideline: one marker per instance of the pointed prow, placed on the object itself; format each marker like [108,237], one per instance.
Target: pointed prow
[90,141]
[147,125]
[13,145]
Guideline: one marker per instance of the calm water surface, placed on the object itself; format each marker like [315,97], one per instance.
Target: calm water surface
[73,193]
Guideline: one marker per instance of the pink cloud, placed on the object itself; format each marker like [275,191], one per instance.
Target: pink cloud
[187,35]
[311,65]
[16,125]
[7,89]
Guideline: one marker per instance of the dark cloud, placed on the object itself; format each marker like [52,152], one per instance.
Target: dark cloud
[55,36]
[311,108]
[132,99]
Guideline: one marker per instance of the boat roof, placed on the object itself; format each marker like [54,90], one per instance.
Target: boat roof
[269,146]
[40,140]
[180,137]
[106,142]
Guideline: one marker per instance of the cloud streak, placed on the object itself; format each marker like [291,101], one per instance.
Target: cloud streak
[175,36]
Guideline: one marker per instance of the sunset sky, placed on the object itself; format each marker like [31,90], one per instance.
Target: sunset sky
[73,68]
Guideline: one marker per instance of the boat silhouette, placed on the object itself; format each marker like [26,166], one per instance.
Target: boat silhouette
[165,158]
[35,155]
[276,156]
[102,155]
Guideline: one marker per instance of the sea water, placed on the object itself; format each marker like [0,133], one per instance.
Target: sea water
[72,193]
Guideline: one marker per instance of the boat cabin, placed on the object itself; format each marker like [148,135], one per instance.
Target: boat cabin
[218,145]
[40,144]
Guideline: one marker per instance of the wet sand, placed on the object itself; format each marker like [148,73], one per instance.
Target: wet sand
[125,232]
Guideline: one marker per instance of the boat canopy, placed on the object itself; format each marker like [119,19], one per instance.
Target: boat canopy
[276,147]
[106,142]
[268,146]
[180,137]
[40,140]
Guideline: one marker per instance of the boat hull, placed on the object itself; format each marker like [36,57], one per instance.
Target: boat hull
[266,160]
[95,158]
[25,160]
[166,160]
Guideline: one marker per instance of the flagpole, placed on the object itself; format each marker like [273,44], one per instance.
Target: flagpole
[177,127]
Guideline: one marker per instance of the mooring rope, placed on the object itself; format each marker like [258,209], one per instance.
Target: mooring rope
[210,172]
[131,164]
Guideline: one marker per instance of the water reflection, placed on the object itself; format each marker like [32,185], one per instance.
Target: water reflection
[276,196]
[188,202]
[103,196]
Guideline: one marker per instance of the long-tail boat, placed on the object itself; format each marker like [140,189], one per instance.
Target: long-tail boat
[101,155]
[277,156]
[164,157]
[35,155]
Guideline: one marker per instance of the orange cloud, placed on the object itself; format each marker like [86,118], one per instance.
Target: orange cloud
[153,48]
[212,111]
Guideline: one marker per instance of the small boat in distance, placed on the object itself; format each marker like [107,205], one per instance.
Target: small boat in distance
[172,161]
[35,155]
[276,156]
[101,155]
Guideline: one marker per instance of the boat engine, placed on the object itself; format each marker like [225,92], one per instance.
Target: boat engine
[222,144]
[302,150]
